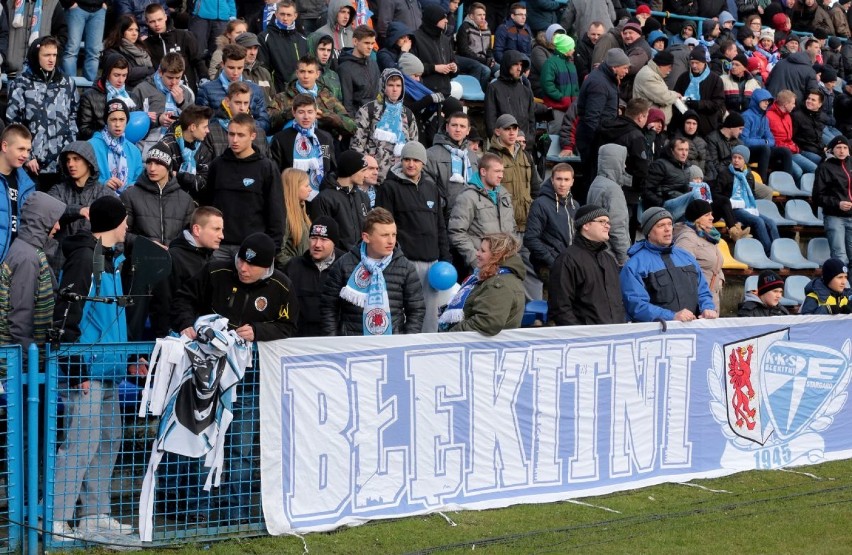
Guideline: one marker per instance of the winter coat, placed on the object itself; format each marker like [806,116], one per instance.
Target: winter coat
[187,260]
[652,292]
[216,288]
[405,297]
[279,51]
[832,185]
[347,205]
[711,104]
[46,104]
[611,39]
[309,282]
[624,131]
[680,52]
[52,22]
[810,18]
[756,131]
[360,79]
[807,129]
[550,226]
[579,14]
[839,20]
[497,303]
[27,282]
[149,98]
[216,142]
[707,254]
[583,57]
[137,73]
[341,37]
[650,85]
[154,213]
[520,178]
[540,54]
[404,11]
[753,307]
[511,37]
[597,102]
[607,191]
[543,13]
[366,142]
[217,10]
[25,186]
[819,299]
[667,180]
[473,215]
[781,125]
[419,215]
[475,43]
[433,48]
[738,92]
[284,142]
[795,73]
[507,95]
[90,112]
[584,286]
[131,151]
[389,55]
[559,82]
[440,165]
[182,42]
[212,93]
[248,192]
[718,154]
[192,183]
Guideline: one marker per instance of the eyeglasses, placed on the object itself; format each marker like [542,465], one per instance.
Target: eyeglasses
[602,222]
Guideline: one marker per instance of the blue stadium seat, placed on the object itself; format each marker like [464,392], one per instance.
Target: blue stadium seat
[751,252]
[750,284]
[784,184]
[770,210]
[555,149]
[534,310]
[818,250]
[800,211]
[786,252]
[471,90]
[807,183]
[794,288]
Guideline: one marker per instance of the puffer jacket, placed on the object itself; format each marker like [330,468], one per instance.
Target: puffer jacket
[795,73]
[651,292]
[781,125]
[157,215]
[520,178]
[439,165]
[606,191]
[507,95]
[707,254]
[497,303]
[832,185]
[559,82]
[474,214]
[753,307]
[511,37]
[756,131]
[819,299]
[309,281]
[718,154]
[807,129]
[739,91]
[46,104]
[475,43]
[550,226]
[405,296]
[347,205]
[90,114]
[667,179]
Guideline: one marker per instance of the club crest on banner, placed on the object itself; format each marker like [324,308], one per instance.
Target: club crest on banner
[773,396]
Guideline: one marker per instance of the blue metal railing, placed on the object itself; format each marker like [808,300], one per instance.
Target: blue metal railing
[11,450]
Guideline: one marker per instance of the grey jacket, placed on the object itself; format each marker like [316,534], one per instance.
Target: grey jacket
[606,192]
[440,163]
[473,215]
[148,98]
[38,215]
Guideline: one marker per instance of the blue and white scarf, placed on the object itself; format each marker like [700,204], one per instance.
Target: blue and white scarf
[313,92]
[741,195]
[307,154]
[112,92]
[362,13]
[454,311]
[389,128]
[366,288]
[268,10]
[693,91]
[171,105]
[187,153]
[116,157]
[19,20]
[460,167]
[284,26]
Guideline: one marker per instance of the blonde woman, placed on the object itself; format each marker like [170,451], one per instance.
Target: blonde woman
[297,189]
[235,28]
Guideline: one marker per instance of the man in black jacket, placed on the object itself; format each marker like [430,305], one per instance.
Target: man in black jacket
[708,98]
[303,145]
[310,271]
[832,194]
[434,48]
[186,138]
[585,288]
[413,198]
[281,45]
[163,40]
[511,95]
[341,198]
[359,73]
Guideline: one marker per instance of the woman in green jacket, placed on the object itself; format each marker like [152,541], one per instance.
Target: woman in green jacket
[492,298]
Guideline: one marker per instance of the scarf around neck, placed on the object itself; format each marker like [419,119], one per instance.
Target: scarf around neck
[713,236]
[460,167]
[741,195]
[313,91]
[390,128]
[223,80]
[140,57]
[366,288]
[307,154]
[283,26]
[116,157]
[454,312]
[112,92]
[187,152]
[171,105]
[692,90]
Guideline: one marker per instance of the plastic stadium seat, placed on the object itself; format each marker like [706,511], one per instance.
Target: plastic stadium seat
[818,250]
[800,211]
[786,252]
[554,150]
[807,183]
[794,288]
[471,90]
[784,184]
[770,209]
[534,310]
[750,283]
[751,252]
[728,261]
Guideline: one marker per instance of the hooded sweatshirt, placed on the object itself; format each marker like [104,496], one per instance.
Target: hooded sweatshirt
[341,36]
[27,282]
[607,192]
[508,95]
[389,55]
[433,47]
[756,131]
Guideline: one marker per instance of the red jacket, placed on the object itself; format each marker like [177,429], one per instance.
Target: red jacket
[781,125]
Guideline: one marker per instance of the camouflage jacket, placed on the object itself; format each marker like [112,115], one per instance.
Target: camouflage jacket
[364,142]
[334,117]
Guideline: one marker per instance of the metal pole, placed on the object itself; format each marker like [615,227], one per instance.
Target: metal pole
[32,451]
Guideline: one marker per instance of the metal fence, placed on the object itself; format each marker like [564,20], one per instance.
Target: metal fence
[75,480]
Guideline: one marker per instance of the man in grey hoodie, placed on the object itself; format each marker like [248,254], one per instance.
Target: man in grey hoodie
[606,192]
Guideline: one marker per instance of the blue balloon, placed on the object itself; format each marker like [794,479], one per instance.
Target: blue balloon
[137,126]
[442,275]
